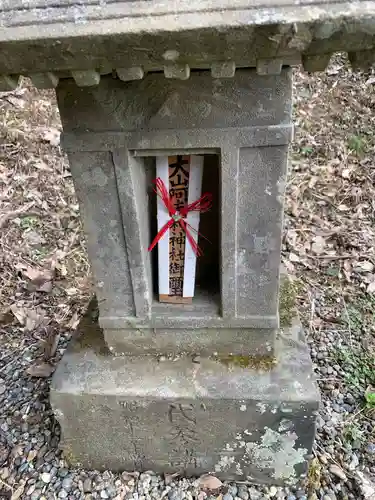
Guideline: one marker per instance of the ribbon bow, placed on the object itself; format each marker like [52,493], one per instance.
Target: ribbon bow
[203,204]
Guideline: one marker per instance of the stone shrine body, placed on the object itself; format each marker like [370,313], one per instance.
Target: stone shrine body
[221,383]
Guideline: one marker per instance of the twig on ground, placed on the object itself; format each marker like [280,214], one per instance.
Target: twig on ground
[6,485]
[348,318]
[312,313]
[337,257]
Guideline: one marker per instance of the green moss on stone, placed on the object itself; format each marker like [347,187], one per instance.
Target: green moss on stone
[69,456]
[242,361]
[287,301]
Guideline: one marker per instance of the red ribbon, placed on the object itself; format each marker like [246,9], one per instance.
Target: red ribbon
[203,204]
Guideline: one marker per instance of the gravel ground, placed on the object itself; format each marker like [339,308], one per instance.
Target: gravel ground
[328,247]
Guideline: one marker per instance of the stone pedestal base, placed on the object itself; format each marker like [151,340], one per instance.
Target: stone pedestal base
[226,416]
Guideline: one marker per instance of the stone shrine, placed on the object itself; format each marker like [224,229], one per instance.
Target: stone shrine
[223,384]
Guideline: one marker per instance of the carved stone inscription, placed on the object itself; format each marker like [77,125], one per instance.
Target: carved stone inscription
[183,438]
[131,410]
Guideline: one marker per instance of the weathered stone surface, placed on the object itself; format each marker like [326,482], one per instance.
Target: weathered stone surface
[204,341]
[316,63]
[198,103]
[86,78]
[8,82]
[129,74]
[269,66]
[362,59]
[232,417]
[44,80]
[65,35]
[177,71]
[245,122]
[223,69]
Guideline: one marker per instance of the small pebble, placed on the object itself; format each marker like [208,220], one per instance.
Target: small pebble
[174,494]
[272,491]
[301,495]
[232,490]
[67,483]
[337,471]
[35,495]
[243,492]
[30,491]
[87,485]
[353,463]
[63,472]
[45,477]
[255,494]
[227,496]
[111,491]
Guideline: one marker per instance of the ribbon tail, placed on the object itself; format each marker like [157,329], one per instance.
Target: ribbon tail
[160,234]
[197,232]
[190,238]
[203,204]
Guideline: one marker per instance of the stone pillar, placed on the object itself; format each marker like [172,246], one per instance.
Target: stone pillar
[246,409]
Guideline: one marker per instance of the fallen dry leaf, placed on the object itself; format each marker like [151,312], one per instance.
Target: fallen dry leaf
[40,280]
[33,319]
[52,136]
[41,165]
[293,257]
[343,208]
[74,321]
[318,245]
[50,345]
[365,266]
[33,238]
[28,318]
[19,491]
[168,478]
[371,287]
[19,313]
[41,370]
[17,451]
[6,316]
[61,268]
[366,485]
[346,173]
[209,482]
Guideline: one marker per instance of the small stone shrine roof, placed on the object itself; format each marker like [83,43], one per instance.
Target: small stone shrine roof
[50,39]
